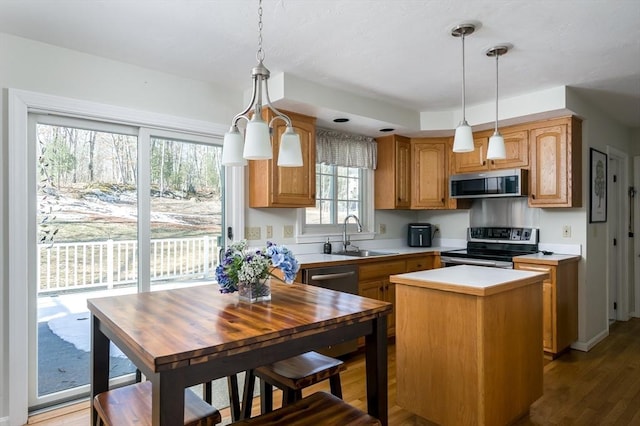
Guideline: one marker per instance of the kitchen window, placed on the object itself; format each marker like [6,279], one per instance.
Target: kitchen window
[344,186]
[340,191]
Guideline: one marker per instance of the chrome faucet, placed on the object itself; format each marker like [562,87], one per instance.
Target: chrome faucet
[345,238]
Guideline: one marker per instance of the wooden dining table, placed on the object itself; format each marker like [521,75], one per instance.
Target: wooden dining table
[183,337]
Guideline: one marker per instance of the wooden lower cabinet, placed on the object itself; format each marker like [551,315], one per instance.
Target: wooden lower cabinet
[374,279]
[374,283]
[559,302]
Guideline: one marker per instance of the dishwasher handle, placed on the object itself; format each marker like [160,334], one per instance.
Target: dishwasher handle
[325,277]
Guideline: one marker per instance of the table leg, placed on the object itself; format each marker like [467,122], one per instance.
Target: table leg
[99,365]
[376,364]
[167,399]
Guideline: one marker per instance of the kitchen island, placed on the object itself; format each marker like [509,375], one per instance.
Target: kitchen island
[468,343]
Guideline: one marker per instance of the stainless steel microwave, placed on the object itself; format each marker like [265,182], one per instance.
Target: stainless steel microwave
[499,183]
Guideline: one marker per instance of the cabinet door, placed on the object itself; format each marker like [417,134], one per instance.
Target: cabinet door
[393,174]
[373,289]
[548,304]
[516,145]
[474,161]
[547,316]
[549,165]
[272,186]
[429,175]
[390,296]
[403,173]
[296,185]
[556,165]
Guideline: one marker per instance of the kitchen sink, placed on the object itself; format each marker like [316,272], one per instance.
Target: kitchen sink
[363,253]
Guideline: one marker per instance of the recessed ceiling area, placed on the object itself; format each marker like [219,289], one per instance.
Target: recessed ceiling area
[398,54]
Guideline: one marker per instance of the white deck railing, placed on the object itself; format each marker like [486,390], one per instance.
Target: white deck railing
[84,265]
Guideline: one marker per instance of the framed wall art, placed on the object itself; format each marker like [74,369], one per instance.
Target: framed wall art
[597,186]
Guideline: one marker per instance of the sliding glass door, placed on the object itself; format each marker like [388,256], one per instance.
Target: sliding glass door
[118,209]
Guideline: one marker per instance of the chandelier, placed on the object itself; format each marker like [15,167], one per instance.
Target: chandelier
[257,140]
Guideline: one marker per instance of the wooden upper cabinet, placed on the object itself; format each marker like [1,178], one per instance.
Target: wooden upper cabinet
[516,143]
[273,186]
[393,173]
[472,161]
[556,169]
[430,175]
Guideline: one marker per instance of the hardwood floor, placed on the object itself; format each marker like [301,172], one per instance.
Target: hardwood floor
[599,387]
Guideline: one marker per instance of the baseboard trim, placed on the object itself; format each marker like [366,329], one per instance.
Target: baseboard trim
[586,346]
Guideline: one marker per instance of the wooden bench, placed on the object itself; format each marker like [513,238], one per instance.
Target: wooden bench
[131,405]
[291,376]
[318,409]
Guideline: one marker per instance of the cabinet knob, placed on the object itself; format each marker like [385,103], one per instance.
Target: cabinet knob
[533,196]
[484,163]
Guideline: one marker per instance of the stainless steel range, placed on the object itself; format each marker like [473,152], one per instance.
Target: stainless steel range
[493,246]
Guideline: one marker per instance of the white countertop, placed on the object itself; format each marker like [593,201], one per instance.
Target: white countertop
[310,258]
[478,280]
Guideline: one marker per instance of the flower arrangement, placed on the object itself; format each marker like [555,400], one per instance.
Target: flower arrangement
[240,265]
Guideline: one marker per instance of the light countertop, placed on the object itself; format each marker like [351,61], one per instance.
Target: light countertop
[467,279]
[553,259]
[311,259]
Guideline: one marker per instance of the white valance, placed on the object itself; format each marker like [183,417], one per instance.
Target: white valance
[344,149]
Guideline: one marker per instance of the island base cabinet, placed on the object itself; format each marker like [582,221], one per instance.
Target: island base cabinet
[465,359]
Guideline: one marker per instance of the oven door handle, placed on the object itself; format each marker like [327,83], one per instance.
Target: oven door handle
[466,261]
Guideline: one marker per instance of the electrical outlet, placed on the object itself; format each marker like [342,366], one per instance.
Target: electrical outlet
[566,231]
[269,231]
[288,231]
[383,228]
[252,233]
[436,229]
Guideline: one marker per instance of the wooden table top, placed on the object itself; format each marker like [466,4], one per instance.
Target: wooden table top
[174,328]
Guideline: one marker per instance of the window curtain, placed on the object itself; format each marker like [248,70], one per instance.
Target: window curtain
[344,149]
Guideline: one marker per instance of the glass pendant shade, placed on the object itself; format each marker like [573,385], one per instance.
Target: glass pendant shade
[290,153]
[232,148]
[496,150]
[257,141]
[463,139]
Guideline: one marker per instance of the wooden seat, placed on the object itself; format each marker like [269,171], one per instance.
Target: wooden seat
[291,376]
[131,405]
[318,409]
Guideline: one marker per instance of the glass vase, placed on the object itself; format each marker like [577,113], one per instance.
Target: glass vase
[255,291]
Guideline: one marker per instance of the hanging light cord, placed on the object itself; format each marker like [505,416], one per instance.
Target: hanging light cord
[497,56]
[260,52]
[464,119]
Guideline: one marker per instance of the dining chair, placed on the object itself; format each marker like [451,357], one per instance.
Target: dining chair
[131,405]
[318,409]
[291,376]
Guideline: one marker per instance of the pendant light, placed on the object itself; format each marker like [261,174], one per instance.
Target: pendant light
[463,139]
[257,141]
[496,150]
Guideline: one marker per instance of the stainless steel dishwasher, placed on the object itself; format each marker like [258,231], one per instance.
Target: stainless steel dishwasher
[341,278]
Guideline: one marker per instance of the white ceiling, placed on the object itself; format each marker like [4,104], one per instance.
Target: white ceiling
[396,52]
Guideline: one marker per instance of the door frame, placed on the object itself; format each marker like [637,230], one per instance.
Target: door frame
[636,229]
[20,104]
[620,210]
